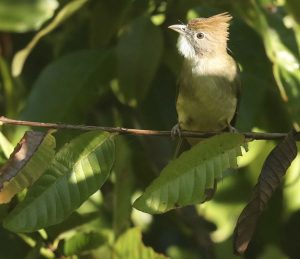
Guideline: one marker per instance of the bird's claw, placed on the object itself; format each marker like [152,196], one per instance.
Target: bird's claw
[232,129]
[176,131]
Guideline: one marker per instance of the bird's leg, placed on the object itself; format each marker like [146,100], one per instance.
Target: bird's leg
[176,131]
[231,128]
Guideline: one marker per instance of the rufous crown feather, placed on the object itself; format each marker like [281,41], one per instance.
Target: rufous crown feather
[218,24]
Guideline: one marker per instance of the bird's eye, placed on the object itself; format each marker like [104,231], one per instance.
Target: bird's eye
[200,35]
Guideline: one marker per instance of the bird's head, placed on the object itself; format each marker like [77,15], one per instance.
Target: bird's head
[203,36]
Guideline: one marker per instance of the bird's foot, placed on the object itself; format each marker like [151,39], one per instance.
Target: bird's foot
[231,129]
[176,131]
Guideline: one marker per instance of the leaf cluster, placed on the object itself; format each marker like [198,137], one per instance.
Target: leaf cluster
[115,63]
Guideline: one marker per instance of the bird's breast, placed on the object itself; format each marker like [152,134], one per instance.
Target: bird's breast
[206,100]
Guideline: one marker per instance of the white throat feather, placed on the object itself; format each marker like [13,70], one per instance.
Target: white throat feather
[185,48]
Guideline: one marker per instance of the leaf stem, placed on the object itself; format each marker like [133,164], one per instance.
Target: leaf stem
[143,132]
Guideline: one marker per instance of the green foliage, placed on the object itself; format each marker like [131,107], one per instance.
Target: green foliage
[63,93]
[65,13]
[115,64]
[78,171]
[282,53]
[82,242]
[190,178]
[130,245]
[138,55]
[36,151]
[22,16]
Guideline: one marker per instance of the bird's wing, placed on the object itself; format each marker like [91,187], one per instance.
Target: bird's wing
[238,89]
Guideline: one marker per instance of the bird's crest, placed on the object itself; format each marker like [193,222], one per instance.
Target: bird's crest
[217,24]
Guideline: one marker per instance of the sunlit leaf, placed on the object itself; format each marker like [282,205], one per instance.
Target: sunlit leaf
[130,245]
[22,16]
[28,161]
[79,169]
[138,54]
[64,13]
[5,145]
[191,178]
[271,175]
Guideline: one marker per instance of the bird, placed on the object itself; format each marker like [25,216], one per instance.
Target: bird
[209,81]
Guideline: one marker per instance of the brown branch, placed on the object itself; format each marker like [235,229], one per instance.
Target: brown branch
[140,132]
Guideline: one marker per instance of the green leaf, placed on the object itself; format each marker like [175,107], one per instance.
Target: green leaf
[101,15]
[75,220]
[28,161]
[138,55]
[67,87]
[190,178]
[130,245]
[10,90]
[83,242]
[79,169]
[294,6]
[5,145]
[22,15]
[281,48]
[123,189]
[21,56]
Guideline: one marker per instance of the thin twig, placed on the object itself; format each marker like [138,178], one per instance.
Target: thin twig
[140,132]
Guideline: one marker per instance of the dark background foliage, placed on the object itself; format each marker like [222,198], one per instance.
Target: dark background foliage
[115,63]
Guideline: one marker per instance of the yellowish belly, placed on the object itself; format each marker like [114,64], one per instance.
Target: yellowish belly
[206,104]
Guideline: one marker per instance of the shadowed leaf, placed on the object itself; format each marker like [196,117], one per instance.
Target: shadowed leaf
[67,86]
[28,161]
[136,67]
[83,242]
[74,221]
[21,56]
[273,170]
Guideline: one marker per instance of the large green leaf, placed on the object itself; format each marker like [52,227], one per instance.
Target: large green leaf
[78,171]
[190,178]
[138,54]
[130,245]
[65,13]
[25,15]
[67,87]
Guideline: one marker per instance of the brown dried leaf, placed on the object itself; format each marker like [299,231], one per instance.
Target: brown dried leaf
[28,160]
[273,170]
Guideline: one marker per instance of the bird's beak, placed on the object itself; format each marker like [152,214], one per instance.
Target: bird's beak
[179,28]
